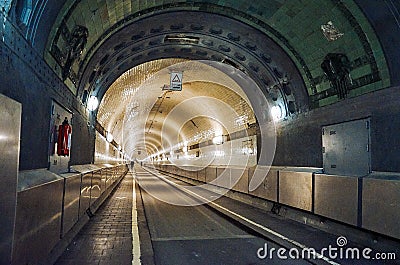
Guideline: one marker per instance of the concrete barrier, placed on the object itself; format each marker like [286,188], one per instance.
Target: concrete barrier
[240,179]
[381,204]
[38,219]
[211,174]
[336,197]
[269,186]
[201,175]
[72,194]
[47,208]
[295,187]
[190,172]
[223,177]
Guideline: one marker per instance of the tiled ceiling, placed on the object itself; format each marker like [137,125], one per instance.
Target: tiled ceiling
[293,25]
[141,116]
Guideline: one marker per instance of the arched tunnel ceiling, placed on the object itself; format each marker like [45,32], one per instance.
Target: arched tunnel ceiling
[294,26]
[141,116]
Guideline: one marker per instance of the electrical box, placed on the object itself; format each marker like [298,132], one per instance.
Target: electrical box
[346,148]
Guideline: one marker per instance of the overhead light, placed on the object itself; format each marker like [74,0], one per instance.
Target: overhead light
[276,113]
[181,39]
[218,139]
[109,137]
[241,120]
[92,103]
[247,151]
[185,149]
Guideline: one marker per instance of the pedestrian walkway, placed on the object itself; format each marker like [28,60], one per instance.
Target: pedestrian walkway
[107,237]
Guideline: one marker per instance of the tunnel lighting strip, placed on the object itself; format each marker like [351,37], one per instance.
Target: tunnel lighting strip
[135,225]
[245,219]
[182,39]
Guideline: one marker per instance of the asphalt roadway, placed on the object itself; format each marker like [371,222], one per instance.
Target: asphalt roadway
[196,234]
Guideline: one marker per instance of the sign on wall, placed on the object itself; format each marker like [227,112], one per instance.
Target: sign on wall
[176,81]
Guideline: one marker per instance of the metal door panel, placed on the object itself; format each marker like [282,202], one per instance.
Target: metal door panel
[346,148]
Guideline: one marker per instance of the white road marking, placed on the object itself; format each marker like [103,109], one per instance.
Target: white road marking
[194,238]
[135,228]
[268,230]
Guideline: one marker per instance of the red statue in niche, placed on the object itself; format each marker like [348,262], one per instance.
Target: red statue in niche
[64,138]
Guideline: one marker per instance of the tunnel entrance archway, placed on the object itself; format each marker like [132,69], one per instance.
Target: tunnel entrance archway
[188,35]
[234,46]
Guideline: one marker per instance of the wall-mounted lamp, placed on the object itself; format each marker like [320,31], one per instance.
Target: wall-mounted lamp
[276,112]
[109,137]
[247,151]
[217,140]
[92,103]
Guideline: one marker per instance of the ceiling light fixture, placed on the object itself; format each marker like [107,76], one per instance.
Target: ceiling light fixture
[217,140]
[181,39]
[109,137]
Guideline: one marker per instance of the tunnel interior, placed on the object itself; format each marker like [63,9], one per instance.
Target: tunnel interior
[301,96]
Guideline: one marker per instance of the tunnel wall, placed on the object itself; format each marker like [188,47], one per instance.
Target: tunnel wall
[26,78]
[21,84]
[229,153]
[299,139]
[83,137]
[105,152]
[384,19]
